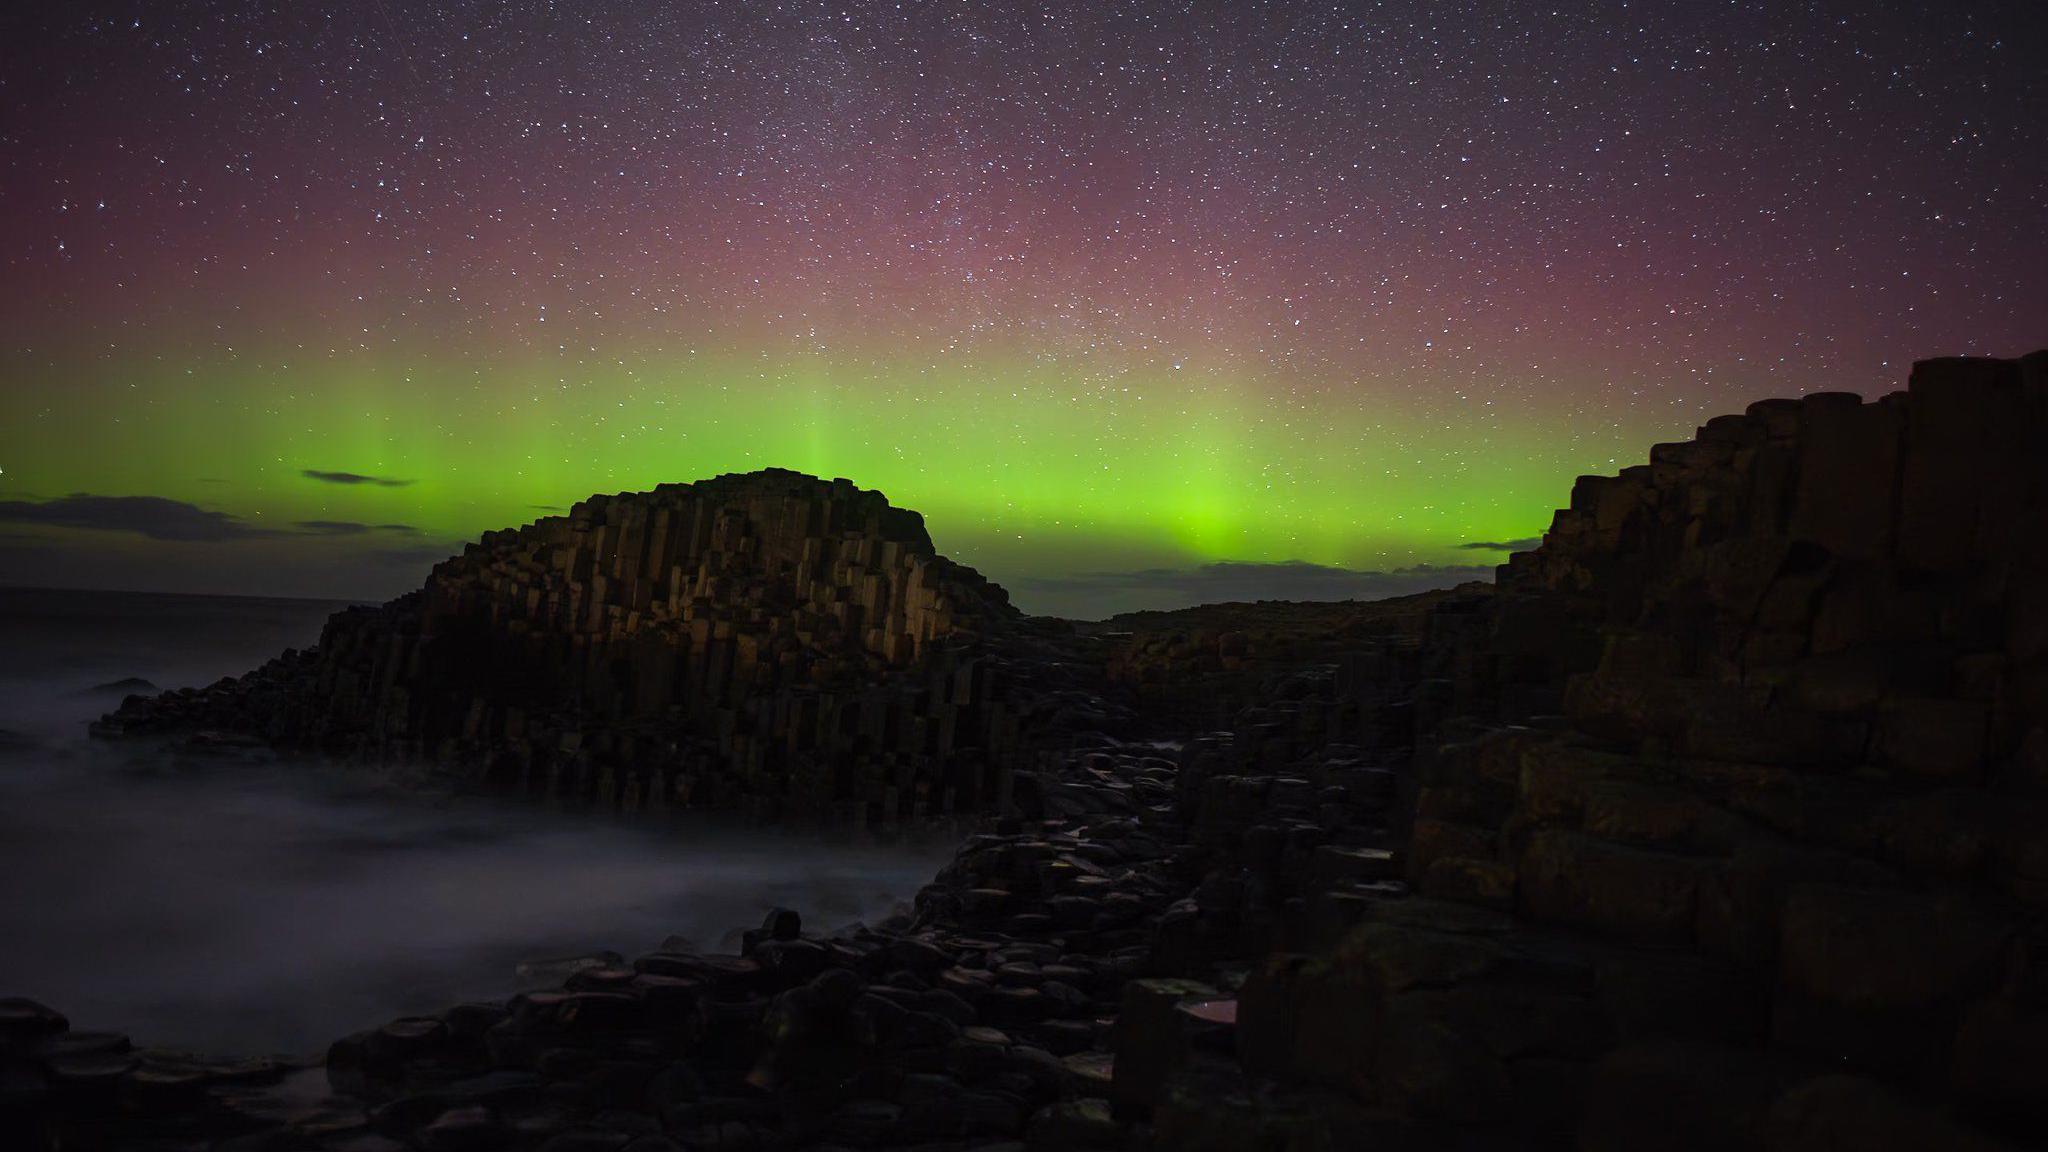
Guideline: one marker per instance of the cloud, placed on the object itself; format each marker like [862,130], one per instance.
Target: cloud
[1095,595]
[161,518]
[352,478]
[352,528]
[1522,545]
[414,555]
[155,517]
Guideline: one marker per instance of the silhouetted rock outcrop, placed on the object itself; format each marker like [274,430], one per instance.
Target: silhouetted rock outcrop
[766,640]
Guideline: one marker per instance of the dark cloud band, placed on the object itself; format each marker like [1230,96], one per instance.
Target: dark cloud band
[155,517]
[351,528]
[1095,595]
[353,478]
[161,518]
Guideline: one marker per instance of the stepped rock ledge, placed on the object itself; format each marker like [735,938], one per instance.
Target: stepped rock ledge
[1720,821]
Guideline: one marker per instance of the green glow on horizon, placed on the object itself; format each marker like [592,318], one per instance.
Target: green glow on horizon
[1021,467]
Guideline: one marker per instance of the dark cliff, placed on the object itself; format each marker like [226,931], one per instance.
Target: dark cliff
[1730,815]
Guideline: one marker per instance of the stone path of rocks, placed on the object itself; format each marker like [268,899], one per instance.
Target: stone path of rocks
[1008,1011]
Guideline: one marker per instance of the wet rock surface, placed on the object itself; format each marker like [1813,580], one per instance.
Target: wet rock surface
[1718,823]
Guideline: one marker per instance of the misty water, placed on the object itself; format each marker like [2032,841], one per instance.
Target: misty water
[235,907]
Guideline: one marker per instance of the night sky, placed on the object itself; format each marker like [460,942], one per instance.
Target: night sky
[1134,302]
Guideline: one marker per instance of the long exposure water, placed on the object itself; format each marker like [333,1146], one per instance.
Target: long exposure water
[238,907]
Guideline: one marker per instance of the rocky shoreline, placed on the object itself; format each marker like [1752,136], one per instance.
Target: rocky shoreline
[1721,821]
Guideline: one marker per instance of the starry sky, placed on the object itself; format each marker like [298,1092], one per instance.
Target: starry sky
[1140,304]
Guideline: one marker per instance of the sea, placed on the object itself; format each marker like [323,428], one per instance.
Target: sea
[241,906]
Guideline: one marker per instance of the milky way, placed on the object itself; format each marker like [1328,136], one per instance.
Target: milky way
[1100,288]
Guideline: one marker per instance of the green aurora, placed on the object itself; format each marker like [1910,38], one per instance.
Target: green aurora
[1018,469]
[1132,302]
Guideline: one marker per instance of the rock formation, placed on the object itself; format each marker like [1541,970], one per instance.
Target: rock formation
[766,640]
[1732,831]
[1720,823]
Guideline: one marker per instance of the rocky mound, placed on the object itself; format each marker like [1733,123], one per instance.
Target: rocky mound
[1197,669]
[766,639]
